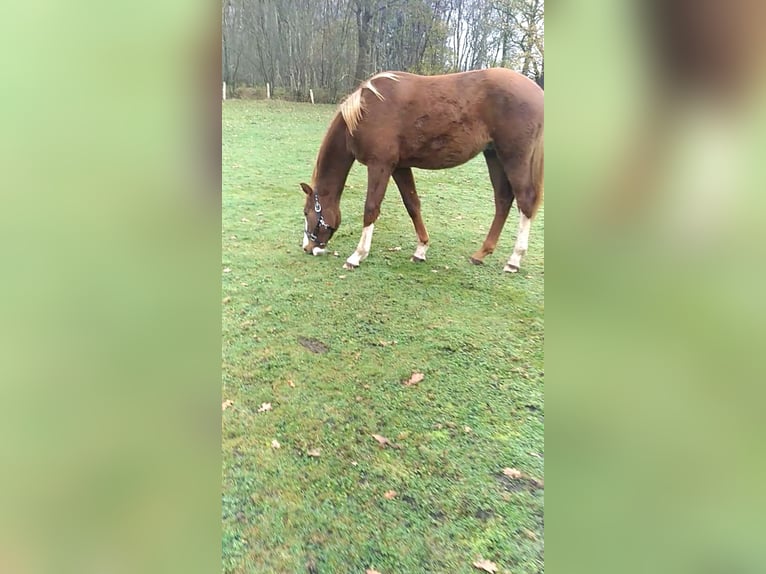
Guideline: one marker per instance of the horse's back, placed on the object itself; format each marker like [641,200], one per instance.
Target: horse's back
[433,122]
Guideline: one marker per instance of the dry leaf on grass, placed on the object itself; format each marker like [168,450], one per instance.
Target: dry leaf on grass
[414,379]
[395,248]
[485,565]
[291,384]
[516,474]
[371,571]
[264,407]
[226,270]
[226,299]
[512,473]
[382,441]
[389,494]
[314,452]
[529,534]
[226,404]
[275,444]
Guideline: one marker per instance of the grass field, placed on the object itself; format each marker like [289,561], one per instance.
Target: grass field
[329,349]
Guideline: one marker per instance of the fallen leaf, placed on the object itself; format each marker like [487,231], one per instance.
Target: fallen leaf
[336,254]
[467,429]
[226,299]
[226,404]
[314,452]
[226,270]
[414,379]
[512,473]
[341,276]
[291,384]
[485,565]
[529,534]
[389,494]
[275,444]
[535,454]
[244,220]
[354,463]
[264,407]
[394,248]
[382,441]
[371,571]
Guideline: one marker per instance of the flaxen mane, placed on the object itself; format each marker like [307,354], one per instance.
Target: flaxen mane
[352,108]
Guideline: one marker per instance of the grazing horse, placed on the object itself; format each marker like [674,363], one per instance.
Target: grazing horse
[396,121]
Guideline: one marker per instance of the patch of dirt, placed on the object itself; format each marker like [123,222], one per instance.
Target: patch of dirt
[484,515]
[313,345]
[519,484]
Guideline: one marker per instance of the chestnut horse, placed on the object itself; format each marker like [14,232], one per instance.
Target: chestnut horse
[396,121]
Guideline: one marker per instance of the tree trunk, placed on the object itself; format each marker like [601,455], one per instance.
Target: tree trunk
[364,40]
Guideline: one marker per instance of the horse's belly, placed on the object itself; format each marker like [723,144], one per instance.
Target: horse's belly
[441,153]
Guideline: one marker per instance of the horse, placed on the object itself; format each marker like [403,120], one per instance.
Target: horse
[396,121]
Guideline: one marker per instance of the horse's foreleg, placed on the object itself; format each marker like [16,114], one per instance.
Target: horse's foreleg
[362,250]
[377,180]
[406,184]
[503,202]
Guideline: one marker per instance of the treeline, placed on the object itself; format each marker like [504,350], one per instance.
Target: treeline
[330,46]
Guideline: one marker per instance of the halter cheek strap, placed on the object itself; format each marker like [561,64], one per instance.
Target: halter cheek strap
[321,224]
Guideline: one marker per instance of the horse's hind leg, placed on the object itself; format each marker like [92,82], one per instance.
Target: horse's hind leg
[527,200]
[406,184]
[503,202]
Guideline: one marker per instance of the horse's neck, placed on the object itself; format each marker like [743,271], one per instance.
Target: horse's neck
[334,161]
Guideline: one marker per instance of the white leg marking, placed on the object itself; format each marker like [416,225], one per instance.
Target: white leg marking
[363,249]
[420,251]
[522,243]
[305,233]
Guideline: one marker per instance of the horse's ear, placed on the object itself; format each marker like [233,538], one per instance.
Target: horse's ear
[307,189]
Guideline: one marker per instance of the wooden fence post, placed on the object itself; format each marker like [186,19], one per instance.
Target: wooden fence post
[311,93]
[268,91]
[224,90]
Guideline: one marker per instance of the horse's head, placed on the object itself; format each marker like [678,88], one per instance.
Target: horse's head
[320,222]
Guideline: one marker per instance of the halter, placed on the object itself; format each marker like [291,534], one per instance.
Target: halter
[320,224]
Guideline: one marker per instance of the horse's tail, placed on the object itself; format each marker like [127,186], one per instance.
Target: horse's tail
[537,169]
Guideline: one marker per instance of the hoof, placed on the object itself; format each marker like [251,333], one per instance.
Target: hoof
[348,265]
[510,269]
[417,259]
[475,261]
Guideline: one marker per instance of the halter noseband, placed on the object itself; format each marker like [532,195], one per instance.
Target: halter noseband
[320,224]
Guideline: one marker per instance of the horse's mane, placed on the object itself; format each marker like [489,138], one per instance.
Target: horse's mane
[352,108]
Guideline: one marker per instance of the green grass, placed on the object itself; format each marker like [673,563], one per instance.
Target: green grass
[473,331]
